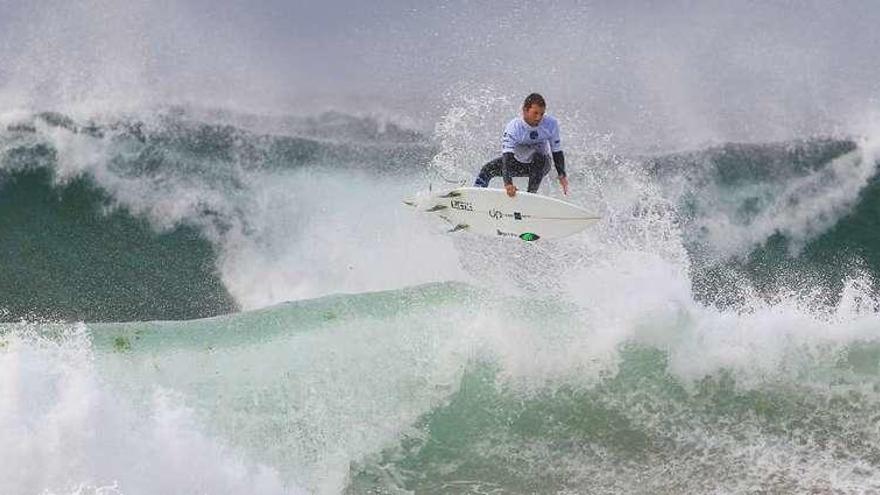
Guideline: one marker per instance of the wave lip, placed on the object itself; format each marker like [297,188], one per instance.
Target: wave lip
[778,217]
[144,218]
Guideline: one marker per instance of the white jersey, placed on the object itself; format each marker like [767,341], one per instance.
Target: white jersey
[524,140]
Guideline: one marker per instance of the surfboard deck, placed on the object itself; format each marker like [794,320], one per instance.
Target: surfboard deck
[491,212]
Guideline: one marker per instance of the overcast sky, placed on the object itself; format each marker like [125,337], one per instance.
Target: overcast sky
[664,70]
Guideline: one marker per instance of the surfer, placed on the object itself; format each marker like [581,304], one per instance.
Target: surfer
[526,149]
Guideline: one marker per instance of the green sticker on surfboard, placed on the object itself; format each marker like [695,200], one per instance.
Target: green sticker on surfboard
[528,236]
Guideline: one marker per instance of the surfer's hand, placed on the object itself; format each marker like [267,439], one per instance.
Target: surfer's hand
[563,181]
[511,190]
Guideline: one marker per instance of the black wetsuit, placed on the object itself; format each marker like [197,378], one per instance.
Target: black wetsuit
[508,167]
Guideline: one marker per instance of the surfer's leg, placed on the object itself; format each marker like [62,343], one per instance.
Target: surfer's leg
[489,170]
[539,168]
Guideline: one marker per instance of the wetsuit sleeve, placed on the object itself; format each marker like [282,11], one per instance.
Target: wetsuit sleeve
[508,144]
[559,162]
[555,140]
[506,163]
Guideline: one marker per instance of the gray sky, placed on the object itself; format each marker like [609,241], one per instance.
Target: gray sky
[665,72]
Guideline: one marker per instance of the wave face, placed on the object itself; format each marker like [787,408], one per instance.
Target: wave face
[126,220]
[241,303]
[785,217]
[66,260]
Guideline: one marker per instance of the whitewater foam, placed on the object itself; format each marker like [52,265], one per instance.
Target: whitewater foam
[68,431]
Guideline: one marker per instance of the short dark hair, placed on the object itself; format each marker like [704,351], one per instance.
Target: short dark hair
[534,99]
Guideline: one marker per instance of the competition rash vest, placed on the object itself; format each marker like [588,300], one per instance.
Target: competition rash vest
[524,141]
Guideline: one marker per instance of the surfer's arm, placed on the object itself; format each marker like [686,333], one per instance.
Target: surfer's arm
[509,141]
[559,162]
[508,144]
[506,164]
[556,148]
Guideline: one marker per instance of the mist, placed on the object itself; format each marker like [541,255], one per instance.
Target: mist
[647,75]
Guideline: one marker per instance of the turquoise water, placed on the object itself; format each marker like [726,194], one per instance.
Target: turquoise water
[189,314]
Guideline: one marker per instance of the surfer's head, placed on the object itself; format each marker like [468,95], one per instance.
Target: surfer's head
[533,109]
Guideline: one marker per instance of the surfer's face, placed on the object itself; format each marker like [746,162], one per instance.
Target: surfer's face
[533,114]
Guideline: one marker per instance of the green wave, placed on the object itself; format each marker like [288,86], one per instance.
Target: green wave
[65,259]
[73,251]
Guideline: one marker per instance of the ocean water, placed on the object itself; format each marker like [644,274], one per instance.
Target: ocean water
[209,283]
[226,303]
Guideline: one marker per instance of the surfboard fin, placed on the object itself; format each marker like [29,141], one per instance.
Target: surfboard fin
[458,227]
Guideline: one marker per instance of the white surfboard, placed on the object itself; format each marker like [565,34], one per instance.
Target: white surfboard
[492,212]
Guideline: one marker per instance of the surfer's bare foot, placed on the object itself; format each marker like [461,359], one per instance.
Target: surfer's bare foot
[511,190]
